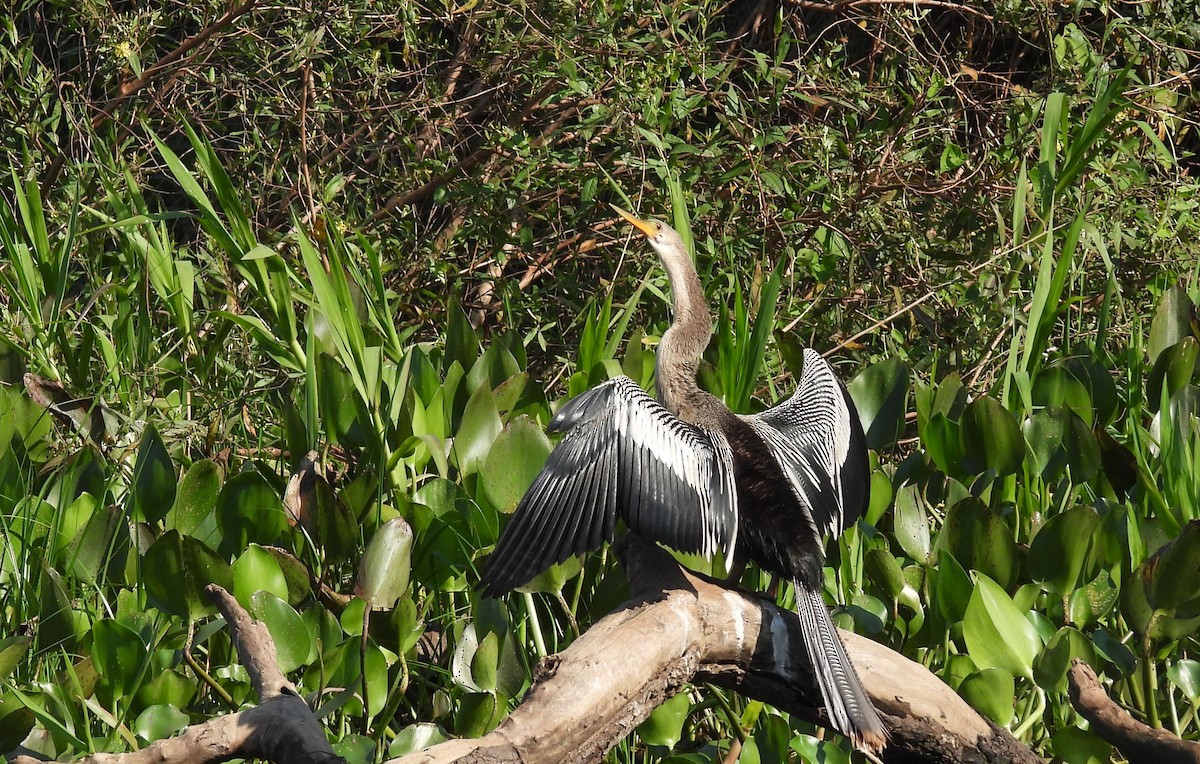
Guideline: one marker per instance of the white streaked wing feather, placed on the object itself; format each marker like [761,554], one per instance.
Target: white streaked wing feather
[623,453]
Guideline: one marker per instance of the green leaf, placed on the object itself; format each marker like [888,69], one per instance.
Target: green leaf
[1058,551]
[256,570]
[384,570]
[248,509]
[485,661]
[910,523]
[941,439]
[291,638]
[1056,386]
[12,651]
[478,714]
[178,570]
[997,633]
[980,539]
[952,587]
[414,738]
[664,725]
[1076,746]
[991,438]
[1044,433]
[1185,674]
[160,721]
[197,497]
[1087,605]
[153,478]
[992,692]
[480,427]
[119,654]
[1176,570]
[514,460]
[1067,644]
[1171,323]
[880,394]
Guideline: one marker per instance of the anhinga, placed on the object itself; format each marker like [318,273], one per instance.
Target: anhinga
[687,472]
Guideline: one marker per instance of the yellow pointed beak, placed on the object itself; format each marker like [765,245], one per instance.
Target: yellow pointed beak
[635,221]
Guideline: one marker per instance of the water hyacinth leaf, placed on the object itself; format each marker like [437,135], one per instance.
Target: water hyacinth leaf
[952,587]
[980,539]
[485,662]
[416,737]
[991,692]
[881,497]
[885,572]
[384,570]
[1114,651]
[1172,371]
[515,458]
[197,497]
[1120,465]
[942,440]
[811,748]
[1044,433]
[257,570]
[57,625]
[168,686]
[292,640]
[1185,674]
[1058,551]
[337,529]
[1175,569]
[479,713]
[102,545]
[1098,380]
[508,393]
[991,438]
[664,725]
[1056,386]
[1078,746]
[356,749]
[118,653]
[12,651]
[880,394]
[248,509]
[1172,322]
[182,567]
[1067,644]
[910,522]
[554,578]
[1088,604]
[153,478]
[480,426]
[295,573]
[160,721]
[997,633]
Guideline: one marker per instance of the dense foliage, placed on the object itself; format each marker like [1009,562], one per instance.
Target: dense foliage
[378,232]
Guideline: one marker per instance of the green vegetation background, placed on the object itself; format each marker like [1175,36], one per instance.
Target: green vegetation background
[232,235]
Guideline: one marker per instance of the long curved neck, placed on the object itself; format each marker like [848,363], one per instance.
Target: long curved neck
[682,345]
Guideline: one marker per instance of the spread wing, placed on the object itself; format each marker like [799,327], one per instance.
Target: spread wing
[623,455]
[818,439]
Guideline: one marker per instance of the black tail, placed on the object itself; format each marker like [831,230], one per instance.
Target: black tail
[846,702]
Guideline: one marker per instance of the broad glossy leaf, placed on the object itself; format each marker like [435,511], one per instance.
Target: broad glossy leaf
[1088,604]
[292,642]
[1044,433]
[514,460]
[256,570]
[153,478]
[295,573]
[57,624]
[980,539]
[168,686]
[952,587]
[910,522]
[416,737]
[118,653]
[997,633]
[1172,322]
[991,692]
[991,438]
[1083,452]
[811,748]
[1172,371]
[160,721]
[248,509]
[1185,674]
[1056,386]
[12,651]
[480,426]
[664,725]
[384,570]
[1077,746]
[176,571]
[479,713]
[197,497]
[1176,570]
[1058,551]
[1120,465]
[885,572]
[880,394]
[942,440]
[101,546]
[1114,651]
[1050,670]
[486,661]
[881,497]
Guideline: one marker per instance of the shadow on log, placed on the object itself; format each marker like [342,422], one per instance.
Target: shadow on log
[678,628]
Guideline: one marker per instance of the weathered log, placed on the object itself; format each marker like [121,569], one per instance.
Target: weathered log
[680,628]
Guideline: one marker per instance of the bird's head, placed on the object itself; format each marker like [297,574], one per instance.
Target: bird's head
[666,240]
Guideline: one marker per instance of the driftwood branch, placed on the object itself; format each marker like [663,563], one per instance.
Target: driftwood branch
[1139,743]
[680,628]
[280,728]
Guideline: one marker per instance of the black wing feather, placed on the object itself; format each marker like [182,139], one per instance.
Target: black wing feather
[622,454]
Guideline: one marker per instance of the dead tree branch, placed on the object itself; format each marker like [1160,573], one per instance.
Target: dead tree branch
[679,628]
[1139,743]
